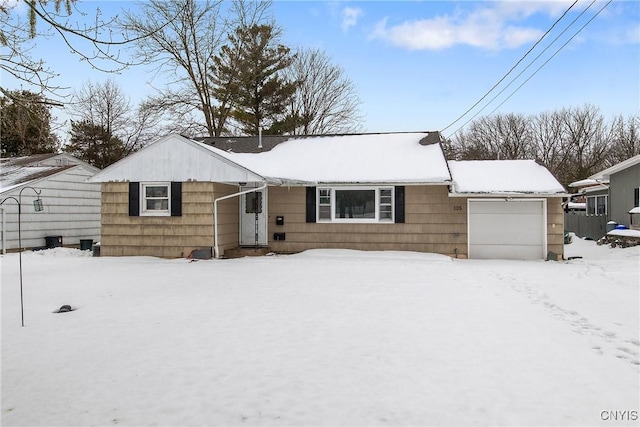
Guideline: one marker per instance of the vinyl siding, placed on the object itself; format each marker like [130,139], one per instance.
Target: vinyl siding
[71,210]
[621,194]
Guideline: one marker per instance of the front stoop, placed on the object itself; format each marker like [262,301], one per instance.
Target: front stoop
[240,252]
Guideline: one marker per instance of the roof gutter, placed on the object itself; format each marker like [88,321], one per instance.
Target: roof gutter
[216,249]
[509,194]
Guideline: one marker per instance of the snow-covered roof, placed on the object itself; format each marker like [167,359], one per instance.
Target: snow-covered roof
[508,177]
[587,183]
[19,171]
[363,158]
[389,158]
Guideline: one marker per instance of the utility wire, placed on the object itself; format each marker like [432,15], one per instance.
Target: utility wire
[512,68]
[552,56]
[529,65]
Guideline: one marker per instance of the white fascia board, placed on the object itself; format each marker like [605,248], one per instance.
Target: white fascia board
[505,195]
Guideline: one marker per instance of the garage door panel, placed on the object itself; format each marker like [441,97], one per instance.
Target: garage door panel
[506,229]
[524,236]
[504,252]
[526,229]
[507,207]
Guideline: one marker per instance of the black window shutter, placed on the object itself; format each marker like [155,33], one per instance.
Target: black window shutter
[134,199]
[399,204]
[176,199]
[636,197]
[311,204]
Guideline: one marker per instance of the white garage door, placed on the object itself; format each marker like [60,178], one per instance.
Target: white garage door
[514,229]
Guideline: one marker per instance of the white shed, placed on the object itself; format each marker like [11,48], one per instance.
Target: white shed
[71,204]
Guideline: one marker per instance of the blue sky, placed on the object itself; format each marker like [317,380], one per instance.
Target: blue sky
[419,65]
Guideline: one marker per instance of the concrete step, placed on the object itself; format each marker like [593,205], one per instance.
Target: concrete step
[240,252]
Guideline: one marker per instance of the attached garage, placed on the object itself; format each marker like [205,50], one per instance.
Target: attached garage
[507,228]
[514,209]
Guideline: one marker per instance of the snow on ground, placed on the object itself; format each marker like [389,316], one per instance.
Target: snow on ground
[325,337]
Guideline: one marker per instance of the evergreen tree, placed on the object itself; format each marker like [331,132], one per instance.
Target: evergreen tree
[94,144]
[25,124]
[249,71]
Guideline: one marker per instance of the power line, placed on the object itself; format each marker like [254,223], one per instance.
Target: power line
[552,56]
[512,68]
[529,65]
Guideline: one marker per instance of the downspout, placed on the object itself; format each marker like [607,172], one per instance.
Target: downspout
[4,233]
[216,250]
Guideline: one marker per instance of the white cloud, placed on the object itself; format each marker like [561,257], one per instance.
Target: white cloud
[491,26]
[350,17]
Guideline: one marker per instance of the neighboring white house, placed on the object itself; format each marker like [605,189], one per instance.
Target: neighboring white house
[71,205]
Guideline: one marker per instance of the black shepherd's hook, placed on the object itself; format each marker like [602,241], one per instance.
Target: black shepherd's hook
[37,204]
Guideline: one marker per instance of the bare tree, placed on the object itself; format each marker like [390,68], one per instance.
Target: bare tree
[495,137]
[96,43]
[572,143]
[325,100]
[184,50]
[106,107]
[624,137]
[550,147]
[584,135]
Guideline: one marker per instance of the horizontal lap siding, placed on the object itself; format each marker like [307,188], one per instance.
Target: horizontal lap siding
[434,222]
[167,237]
[71,210]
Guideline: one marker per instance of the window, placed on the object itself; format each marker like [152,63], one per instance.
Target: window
[253,202]
[155,199]
[386,204]
[348,204]
[597,205]
[324,204]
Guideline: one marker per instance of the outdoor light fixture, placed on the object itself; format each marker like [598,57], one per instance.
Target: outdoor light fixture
[39,207]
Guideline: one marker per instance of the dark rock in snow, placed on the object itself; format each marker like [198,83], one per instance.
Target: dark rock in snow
[64,309]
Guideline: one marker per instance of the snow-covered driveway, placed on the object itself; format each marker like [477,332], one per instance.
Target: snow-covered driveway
[322,338]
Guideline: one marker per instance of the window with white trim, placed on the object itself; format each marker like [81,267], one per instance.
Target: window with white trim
[597,205]
[155,199]
[324,204]
[355,204]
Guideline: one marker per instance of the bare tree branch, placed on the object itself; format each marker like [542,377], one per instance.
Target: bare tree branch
[184,51]
[326,100]
[98,44]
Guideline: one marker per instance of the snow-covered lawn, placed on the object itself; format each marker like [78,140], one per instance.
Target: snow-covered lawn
[322,338]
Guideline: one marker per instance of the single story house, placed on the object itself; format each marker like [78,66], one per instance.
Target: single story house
[609,195]
[387,191]
[71,206]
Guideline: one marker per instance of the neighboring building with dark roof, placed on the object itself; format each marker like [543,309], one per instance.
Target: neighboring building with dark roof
[71,204]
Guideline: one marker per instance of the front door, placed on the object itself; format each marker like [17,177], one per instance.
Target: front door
[253,217]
